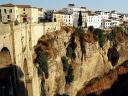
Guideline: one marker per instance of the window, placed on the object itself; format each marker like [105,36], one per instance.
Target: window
[0,10]
[8,16]
[54,19]
[5,11]
[10,11]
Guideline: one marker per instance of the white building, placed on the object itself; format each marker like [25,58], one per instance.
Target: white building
[103,19]
[94,20]
[123,17]
[72,9]
[68,19]
[114,14]
[107,24]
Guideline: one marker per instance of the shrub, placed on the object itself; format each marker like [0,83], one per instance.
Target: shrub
[79,32]
[91,29]
[113,55]
[70,77]
[99,36]
[69,51]
[41,59]
[67,68]
[65,64]
[126,31]
[101,41]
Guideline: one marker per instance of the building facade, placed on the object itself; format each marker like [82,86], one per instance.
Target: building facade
[108,24]
[74,11]
[10,12]
[58,17]
[68,19]
[102,19]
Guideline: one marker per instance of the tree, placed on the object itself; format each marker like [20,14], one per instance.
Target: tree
[91,29]
[79,32]
[113,55]
[99,36]
[80,19]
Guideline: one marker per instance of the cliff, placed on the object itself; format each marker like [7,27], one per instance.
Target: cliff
[81,68]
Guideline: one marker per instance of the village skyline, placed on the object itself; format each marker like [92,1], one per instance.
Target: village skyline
[104,5]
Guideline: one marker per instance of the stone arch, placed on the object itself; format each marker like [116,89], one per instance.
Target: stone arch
[28,80]
[5,57]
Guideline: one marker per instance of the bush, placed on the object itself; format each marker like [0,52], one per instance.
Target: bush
[69,51]
[101,41]
[67,68]
[41,59]
[65,64]
[91,29]
[99,36]
[79,32]
[113,55]
[126,31]
[70,77]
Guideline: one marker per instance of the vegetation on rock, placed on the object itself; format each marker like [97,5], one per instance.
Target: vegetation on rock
[113,55]
[71,48]
[41,60]
[65,64]
[70,77]
[99,36]
[91,29]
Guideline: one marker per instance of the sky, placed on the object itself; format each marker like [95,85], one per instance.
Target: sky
[104,5]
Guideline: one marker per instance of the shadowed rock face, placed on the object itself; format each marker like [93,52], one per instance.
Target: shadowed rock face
[119,88]
[115,83]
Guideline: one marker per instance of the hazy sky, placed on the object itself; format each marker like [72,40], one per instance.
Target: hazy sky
[119,5]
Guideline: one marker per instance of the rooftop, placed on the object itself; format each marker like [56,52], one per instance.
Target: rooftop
[13,5]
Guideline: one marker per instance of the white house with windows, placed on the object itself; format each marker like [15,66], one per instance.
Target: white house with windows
[103,19]
[102,15]
[72,9]
[68,19]
[107,24]
[114,14]
[94,21]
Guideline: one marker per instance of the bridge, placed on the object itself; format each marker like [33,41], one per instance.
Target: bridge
[17,47]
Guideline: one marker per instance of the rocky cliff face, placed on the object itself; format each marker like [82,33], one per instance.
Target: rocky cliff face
[94,64]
